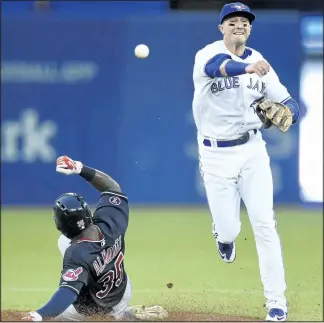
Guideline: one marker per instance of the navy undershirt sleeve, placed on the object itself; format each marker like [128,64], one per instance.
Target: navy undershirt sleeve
[294,108]
[59,302]
[232,68]
[213,65]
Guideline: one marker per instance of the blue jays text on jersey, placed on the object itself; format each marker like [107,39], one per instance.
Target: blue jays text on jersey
[222,105]
[233,82]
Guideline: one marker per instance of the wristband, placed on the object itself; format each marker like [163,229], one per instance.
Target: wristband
[87,173]
[233,68]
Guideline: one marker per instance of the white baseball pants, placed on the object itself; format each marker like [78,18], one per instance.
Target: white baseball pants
[243,172]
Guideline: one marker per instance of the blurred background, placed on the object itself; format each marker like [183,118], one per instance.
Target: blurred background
[72,85]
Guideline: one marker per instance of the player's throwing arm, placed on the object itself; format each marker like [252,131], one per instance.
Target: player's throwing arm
[237,92]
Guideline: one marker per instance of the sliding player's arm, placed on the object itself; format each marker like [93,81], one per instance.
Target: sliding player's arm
[98,179]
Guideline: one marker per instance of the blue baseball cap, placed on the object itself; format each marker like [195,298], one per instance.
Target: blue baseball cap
[233,8]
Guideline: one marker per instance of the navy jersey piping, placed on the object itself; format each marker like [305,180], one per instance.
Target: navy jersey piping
[74,289]
[86,240]
[114,193]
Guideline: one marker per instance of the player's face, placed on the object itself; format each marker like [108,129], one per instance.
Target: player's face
[236,30]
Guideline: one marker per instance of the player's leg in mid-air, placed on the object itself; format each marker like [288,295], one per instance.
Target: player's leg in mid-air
[120,311]
[219,171]
[256,190]
[230,174]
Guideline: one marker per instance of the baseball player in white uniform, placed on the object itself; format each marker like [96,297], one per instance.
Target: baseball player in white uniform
[236,93]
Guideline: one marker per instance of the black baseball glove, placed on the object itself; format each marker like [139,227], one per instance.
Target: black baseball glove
[274,113]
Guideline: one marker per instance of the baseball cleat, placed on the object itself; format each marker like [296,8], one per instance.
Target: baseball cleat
[227,251]
[146,313]
[276,315]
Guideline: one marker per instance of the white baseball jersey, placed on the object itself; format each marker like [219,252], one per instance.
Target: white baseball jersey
[224,107]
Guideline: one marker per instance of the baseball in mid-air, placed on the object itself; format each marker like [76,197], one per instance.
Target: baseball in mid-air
[142,51]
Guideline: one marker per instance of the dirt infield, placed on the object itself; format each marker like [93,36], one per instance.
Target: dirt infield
[11,315]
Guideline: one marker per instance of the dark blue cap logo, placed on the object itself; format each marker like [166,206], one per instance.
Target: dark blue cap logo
[238,6]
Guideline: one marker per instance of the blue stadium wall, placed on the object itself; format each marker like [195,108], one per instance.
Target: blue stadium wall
[72,85]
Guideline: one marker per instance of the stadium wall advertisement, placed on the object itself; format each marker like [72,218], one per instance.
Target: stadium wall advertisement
[75,88]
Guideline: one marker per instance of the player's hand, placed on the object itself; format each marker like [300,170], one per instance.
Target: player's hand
[261,68]
[68,166]
[32,317]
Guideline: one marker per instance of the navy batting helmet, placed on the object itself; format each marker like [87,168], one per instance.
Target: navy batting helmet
[71,214]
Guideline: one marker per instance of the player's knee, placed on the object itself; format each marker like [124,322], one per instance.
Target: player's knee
[226,234]
[233,233]
[63,243]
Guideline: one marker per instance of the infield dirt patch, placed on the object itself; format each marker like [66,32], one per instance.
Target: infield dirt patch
[12,315]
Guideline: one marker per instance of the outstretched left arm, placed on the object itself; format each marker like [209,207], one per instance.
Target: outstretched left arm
[293,106]
[278,93]
[99,180]
[59,302]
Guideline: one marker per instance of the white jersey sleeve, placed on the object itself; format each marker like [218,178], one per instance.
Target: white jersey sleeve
[200,63]
[204,55]
[276,91]
[224,107]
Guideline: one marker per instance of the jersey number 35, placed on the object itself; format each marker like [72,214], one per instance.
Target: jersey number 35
[112,277]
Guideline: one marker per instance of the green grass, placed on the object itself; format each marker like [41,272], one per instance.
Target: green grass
[172,246]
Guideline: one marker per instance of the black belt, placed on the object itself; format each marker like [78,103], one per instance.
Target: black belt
[230,143]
